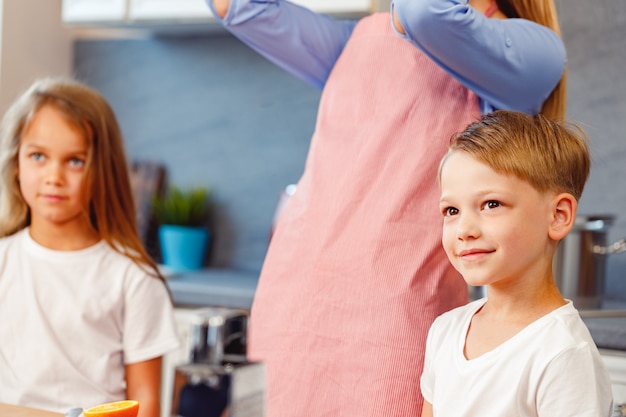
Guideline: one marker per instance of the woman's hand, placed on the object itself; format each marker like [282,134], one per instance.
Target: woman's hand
[396,22]
[221,7]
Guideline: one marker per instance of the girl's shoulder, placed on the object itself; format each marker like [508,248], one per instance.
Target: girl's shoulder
[13,240]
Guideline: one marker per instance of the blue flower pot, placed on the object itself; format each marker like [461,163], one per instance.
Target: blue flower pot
[183,248]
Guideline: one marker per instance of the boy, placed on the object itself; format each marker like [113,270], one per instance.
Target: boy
[510,185]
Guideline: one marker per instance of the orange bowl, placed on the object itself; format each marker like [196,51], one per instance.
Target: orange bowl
[126,408]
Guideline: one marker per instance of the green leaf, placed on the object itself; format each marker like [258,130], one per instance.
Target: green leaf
[189,207]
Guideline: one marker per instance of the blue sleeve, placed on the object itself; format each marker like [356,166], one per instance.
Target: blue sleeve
[304,43]
[511,64]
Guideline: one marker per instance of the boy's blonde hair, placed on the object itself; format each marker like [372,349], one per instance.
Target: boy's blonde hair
[552,156]
[110,207]
[544,13]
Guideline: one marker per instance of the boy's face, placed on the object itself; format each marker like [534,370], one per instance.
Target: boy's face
[495,229]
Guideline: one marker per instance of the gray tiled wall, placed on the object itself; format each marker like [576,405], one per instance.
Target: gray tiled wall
[216,113]
[595,36]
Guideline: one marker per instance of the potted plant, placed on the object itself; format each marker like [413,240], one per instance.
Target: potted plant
[183,215]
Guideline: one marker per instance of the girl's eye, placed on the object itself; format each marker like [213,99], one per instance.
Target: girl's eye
[449,211]
[36,156]
[491,204]
[77,162]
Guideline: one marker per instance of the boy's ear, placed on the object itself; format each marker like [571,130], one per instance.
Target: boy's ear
[563,216]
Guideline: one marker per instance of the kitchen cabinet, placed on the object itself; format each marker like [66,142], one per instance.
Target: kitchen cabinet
[94,10]
[337,6]
[168,9]
[124,12]
[33,43]
[198,9]
[129,12]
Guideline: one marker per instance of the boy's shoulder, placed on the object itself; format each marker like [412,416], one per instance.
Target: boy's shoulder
[458,317]
[469,308]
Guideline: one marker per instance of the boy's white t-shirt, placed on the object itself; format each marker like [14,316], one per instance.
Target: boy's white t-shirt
[551,368]
[69,321]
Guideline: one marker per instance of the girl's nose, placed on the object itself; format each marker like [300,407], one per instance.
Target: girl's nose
[54,173]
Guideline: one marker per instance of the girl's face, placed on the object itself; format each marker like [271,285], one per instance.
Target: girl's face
[52,157]
[495,229]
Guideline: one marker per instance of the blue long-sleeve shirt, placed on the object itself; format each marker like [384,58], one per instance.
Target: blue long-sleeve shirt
[510,64]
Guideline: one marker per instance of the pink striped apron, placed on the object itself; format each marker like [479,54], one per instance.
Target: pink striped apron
[356,273]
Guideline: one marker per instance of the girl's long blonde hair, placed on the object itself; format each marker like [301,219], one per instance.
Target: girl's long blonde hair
[544,13]
[111,207]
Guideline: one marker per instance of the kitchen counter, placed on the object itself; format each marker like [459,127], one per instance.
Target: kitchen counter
[231,288]
[235,289]
[7,410]
[607,325]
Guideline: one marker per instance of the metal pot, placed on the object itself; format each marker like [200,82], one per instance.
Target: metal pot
[580,261]
[219,335]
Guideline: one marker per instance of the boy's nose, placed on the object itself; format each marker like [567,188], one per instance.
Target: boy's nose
[467,227]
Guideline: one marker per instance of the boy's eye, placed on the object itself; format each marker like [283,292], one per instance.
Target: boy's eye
[449,211]
[491,204]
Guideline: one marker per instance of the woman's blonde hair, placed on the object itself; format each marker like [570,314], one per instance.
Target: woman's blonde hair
[550,155]
[544,13]
[111,208]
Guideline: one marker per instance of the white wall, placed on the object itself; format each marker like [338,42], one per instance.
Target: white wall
[33,43]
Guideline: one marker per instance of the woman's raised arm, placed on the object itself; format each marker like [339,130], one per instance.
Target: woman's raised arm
[221,7]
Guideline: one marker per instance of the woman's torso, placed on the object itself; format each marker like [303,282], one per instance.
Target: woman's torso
[355,272]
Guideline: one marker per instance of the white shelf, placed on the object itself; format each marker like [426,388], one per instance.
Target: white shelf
[168,10]
[130,12]
[337,6]
[94,10]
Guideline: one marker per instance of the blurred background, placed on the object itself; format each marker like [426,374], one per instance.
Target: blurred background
[214,113]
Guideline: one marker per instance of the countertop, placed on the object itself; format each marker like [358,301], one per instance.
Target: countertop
[234,288]
[607,324]
[231,288]
[7,410]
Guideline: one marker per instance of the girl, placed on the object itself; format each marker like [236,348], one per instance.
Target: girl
[356,262]
[85,316]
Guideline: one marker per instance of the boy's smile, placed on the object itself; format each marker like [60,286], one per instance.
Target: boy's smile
[495,226]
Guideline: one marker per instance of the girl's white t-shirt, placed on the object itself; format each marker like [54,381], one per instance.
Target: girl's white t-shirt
[70,321]
[550,368]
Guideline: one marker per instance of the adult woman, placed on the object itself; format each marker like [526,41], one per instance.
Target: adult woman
[355,273]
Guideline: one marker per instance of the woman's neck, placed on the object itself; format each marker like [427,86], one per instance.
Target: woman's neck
[488,8]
